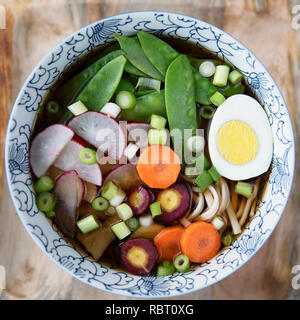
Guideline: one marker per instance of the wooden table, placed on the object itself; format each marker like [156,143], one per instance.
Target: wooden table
[33,27]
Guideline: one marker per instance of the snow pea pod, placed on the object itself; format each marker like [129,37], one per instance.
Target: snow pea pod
[102,86]
[68,91]
[135,54]
[160,53]
[146,105]
[180,95]
[232,89]
[125,85]
[203,87]
[130,68]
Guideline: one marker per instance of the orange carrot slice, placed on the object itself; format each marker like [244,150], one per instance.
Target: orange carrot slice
[167,242]
[158,166]
[200,241]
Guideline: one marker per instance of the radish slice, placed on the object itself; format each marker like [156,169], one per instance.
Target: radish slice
[91,192]
[69,192]
[100,131]
[69,160]
[124,175]
[47,146]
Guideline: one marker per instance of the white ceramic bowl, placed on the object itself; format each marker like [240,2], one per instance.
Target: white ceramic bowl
[48,71]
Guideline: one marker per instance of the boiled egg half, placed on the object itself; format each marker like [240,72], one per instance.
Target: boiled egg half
[240,138]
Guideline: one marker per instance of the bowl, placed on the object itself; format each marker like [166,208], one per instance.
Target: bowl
[46,235]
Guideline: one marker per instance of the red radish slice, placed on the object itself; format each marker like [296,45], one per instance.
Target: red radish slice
[124,175]
[47,146]
[138,133]
[91,192]
[100,131]
[69,160]
[69,193]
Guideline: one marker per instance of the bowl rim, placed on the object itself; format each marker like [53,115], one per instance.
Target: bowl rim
[47,56]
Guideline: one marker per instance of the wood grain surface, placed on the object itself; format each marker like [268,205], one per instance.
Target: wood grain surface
[33,27]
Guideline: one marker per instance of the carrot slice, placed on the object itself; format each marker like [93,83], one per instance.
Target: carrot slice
[200,241]
[158,166]
[167,242]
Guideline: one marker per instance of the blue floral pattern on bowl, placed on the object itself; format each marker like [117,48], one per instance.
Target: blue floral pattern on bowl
[46,235]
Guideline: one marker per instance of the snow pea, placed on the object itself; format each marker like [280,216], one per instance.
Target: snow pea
[68,91]
[102,86]
[180,95]
[140,93]
[204,88]
[131,69]
[135,54]
[125,85]
[232,89]
[160,53]
[146,105]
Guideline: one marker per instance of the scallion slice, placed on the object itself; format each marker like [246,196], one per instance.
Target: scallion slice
[182,263]
[125,99]
[227,238]
[235,76]
[46,201]
[87,156]
[78,108]
[221,75]
[217,98]
[155,209]
[158,122]
[207,112]
[133,224]
[207,68]
[204,180]
[218,222]
[52,107]
[100,204]
[214,173]
[148,83]
[111,109]
[109,190]
[244,189]
[88,224]
[124,211]
[43,184]
[121,230]
[156,136]
[118,198]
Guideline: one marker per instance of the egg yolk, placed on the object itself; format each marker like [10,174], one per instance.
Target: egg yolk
[237,142]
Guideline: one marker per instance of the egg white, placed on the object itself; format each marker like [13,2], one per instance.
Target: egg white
[245,108]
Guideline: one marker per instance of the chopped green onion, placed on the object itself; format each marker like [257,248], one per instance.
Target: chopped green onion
[77,108]
[244,189]
[44,183]
[133,224]
[121,230]
[88,224]
[100,204]
[204,180]
[207,112]
[217,98]
[218,222]
[50,214]
[156,136]
[110,211]
[182,263]
[87,156]
[131,151]
[235,76]
[207,68]
[118,198]
[195,144]
[52,107]
[202,162]
[148,83]
[227,238]
[111,109]
[109,190]
[124,211]
[166,269]
[146,220]
[221,75]
[191,171]
[46,201]
[214,173]
[125,99]
[155,209]
[158,122]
